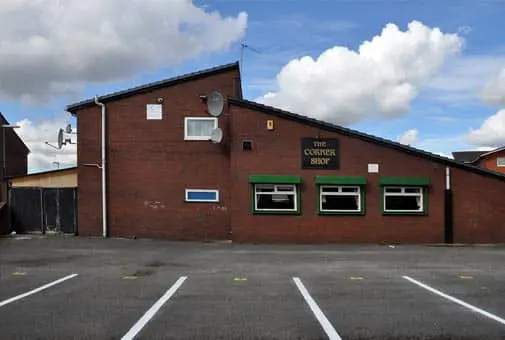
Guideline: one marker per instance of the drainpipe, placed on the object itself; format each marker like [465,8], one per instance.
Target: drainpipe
[448,208]
[104,171]
[447,178]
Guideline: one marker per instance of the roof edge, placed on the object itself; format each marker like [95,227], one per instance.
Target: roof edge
[27,149]
[363,136]
[72,108]
[42,173]
[488,153]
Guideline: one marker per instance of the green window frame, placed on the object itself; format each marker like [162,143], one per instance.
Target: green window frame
[278,187]
[337,186]
[412,188]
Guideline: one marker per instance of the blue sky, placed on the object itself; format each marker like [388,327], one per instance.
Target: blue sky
[443,111]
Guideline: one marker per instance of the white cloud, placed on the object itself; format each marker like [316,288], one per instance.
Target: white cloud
[409,137]
[52,46]
[491,133]
[382,78]
[493,92]
[42,156]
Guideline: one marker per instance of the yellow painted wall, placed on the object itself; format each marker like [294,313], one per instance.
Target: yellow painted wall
[61,179]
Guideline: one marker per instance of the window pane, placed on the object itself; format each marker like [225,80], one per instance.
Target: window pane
[275,202]
[330,189]
[393,190]
[202,195]
[333,202]
[349,189]
[403,203]
[289,188]
[413,190]
[200,128]
[265,188]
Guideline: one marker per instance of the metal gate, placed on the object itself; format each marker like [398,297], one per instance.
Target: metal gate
[43,210]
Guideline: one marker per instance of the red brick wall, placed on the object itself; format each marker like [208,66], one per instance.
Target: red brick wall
[278,153]
[16,161]
[490,162]
[150,165]
[88,177]
[479,208]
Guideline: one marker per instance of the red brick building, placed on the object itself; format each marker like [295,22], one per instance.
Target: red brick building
[492,160]
[275,177]
[14,163]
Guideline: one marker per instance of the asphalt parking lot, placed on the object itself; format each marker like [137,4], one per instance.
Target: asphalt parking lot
[78,288]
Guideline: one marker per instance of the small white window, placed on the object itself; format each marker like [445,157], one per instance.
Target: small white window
[338,198]
[275,197]
[201,195]
[500,161]
[403,199]
[199,128]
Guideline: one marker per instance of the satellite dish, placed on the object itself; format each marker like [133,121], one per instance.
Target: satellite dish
[216,136]
[68,129]
[61,142]
[215,104]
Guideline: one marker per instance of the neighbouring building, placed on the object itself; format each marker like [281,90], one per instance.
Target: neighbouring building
[492,160]
[275,176]
[44,202]
[13,162]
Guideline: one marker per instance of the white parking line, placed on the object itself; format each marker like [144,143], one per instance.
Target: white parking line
[455,300]
[152,311]
[327,326]
[36,290]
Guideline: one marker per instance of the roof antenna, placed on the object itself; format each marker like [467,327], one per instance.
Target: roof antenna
[244,45]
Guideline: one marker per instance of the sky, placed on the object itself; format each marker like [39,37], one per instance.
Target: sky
[429,73]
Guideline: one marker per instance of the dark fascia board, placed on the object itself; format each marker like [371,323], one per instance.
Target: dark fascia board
[152,86]
[19,138]
[322,125]
[43,173]
[489,153]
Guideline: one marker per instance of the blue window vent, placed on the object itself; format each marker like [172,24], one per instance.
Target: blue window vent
[201,195]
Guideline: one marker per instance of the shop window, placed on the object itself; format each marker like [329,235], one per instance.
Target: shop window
[404,195]
[339,199]
[275,194]
[404,199]
[273,197]
[199,128]
[201,195]
[341,195]
[500,161]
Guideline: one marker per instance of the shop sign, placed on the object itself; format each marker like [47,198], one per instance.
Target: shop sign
[320,153]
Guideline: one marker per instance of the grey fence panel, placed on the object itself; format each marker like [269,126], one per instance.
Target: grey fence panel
[26,210]
[67,207]
[43,210]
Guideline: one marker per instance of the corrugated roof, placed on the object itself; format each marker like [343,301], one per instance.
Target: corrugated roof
[152,86]
[363,136]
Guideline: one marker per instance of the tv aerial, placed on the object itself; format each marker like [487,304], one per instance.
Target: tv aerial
[215,104]
[61,139]
[216,136]
[243,46]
